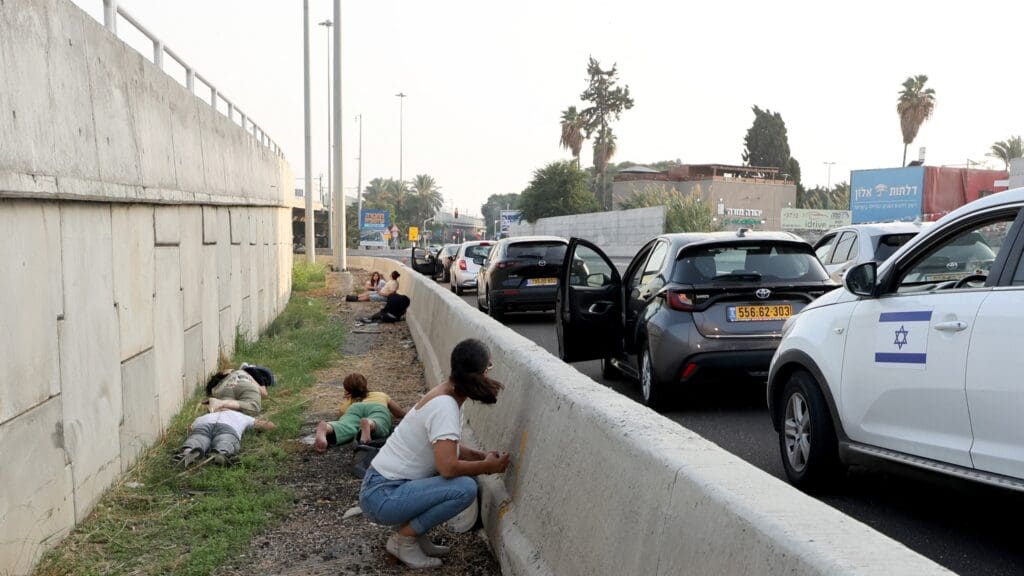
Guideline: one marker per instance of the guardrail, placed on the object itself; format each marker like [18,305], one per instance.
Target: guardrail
[111,10]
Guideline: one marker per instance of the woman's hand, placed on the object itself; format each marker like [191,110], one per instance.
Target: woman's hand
[497,461]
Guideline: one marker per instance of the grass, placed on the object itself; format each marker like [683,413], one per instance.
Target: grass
[306,276]
[192,522]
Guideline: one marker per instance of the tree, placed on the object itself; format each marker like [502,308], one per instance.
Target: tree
[767,144]
[1008,150]
[426,197]
[607,101]
[557,189]
[684,212]
[493,207]
[818,198]
[572,133]
[915,105]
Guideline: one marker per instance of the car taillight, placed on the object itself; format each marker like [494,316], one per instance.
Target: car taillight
[462,264]
[679,301]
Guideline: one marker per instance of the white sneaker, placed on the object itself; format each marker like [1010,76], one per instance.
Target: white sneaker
[431,549]
[407,549]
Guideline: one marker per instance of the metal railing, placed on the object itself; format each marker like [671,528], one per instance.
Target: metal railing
[111,10]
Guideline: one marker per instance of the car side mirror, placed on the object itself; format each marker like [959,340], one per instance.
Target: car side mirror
[597,279]
[862,279]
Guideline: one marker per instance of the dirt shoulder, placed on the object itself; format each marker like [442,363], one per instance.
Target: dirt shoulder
[314,538]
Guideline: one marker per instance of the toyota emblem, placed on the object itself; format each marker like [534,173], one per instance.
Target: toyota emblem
[542,263]
[763,293]
[952,266]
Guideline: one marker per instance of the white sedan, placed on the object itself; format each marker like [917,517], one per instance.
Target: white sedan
[917,361]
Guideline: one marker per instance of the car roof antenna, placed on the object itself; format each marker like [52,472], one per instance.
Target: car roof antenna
[742,232]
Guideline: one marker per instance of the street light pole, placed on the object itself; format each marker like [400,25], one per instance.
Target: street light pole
[828,187]
[401,133]
[330,169]
[339,195]
[359,182]
[310,215]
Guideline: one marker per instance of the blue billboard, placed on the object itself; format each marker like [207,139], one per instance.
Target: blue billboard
[375,220]
[886,195]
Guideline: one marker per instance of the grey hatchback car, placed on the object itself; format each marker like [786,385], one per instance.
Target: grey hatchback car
[689,308]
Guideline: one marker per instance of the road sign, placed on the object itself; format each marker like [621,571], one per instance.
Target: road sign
[414,233]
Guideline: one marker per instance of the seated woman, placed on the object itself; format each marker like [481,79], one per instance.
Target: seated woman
[423,475]
[242,389]
[375,283]
[220,433]
[368,414]
[379,295]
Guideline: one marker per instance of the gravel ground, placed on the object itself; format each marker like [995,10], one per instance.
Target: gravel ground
[314,538]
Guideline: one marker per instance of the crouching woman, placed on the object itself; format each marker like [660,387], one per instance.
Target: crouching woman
[423,475]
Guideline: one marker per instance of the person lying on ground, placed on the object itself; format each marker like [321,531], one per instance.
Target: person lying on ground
[376,283]
[218,434]
[390,287]
[242,389]
[423,474]
[393,310]
[366,414]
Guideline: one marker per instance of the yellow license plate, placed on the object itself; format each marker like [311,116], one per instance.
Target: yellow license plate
[541,281]
[759,313]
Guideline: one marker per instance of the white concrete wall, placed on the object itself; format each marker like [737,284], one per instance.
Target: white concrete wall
[138,230]
[620,233]
[1017,173]
[598,484]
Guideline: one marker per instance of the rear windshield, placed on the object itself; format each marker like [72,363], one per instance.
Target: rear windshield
[478,251]
[451,250]
[549,251]
[889,243]
[763,262]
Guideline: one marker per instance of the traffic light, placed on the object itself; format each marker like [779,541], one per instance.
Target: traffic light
[456,212]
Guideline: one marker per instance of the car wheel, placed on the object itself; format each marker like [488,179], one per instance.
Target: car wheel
[652,394]
[609,371]
[492,311]
[460,290]
[807,439]
[451,286]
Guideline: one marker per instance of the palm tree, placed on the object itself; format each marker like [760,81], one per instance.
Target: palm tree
[604,150]
[428,195]
[915,105]
[397,193]
[1008,150]
[572,133]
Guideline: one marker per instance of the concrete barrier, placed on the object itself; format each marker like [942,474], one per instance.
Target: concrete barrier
[139,229]
[601,485]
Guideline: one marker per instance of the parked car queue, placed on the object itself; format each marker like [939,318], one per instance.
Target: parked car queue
[910,361]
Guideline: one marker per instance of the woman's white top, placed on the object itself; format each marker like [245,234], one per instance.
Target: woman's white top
[409,451]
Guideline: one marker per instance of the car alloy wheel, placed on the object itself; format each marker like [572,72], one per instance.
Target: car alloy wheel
[797,429]
[646,377]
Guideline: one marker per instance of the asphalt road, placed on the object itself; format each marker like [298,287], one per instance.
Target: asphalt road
[967,528]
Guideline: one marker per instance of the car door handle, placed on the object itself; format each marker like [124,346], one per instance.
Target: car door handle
[599,307]
[955,326]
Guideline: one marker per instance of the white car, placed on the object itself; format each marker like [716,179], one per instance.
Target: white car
[917,361]
[843,248]
[466,265]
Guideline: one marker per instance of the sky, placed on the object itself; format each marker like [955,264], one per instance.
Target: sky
[487,80]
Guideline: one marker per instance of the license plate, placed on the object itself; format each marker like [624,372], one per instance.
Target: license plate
[542,281]
[758,313]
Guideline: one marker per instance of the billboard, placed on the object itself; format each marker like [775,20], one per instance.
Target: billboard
[886,195]
[802,219]
[508,218]
[375,220]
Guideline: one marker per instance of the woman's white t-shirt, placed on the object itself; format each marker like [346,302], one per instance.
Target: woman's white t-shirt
[409,451]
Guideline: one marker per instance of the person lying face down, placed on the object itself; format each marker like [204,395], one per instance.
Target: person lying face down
[218,434]
[363,413]
[242,390]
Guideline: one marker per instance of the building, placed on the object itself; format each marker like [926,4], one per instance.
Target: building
[918,192]
[1017,173]
[740,196]
[322,219]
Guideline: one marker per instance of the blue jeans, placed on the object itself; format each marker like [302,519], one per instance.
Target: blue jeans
[422,503]
[375,297]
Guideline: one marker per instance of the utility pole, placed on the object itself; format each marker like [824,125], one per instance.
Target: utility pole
[310,215]
[331,240]
[339,194]
[401,133]
[828,187]
[359,181]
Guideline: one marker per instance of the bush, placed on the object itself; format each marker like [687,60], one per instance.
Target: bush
[306,276]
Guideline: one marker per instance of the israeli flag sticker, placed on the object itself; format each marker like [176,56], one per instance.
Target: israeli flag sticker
[902,338]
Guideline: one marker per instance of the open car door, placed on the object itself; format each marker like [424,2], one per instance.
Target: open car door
[422,261]
[588,305]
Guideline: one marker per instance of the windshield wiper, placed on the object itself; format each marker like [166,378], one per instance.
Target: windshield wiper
[751,276]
